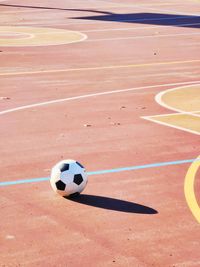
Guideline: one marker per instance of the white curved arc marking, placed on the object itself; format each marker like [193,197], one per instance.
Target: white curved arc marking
[158,99]
[92,95]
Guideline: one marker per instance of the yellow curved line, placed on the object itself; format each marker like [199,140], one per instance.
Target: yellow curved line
[189,189]
[38,36]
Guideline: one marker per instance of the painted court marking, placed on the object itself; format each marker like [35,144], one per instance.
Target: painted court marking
[91,95]
[142,28]
[189,189]
[185,102]
[144,37]
[35,36]
[142,65]
[174,11]
[131,168]
[188,97]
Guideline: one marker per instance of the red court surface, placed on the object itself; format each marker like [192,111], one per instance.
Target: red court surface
[95,81]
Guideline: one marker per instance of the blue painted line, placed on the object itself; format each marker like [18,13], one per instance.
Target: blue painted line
[34,180]
[147,166]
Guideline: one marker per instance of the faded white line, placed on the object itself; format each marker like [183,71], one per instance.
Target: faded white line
[174,114]
[142,28]
[101,68]
[170,125]
[143,37]
[92,95]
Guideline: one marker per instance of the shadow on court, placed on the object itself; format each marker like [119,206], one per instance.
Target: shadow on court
[113,204]
[149,19]
[141,18]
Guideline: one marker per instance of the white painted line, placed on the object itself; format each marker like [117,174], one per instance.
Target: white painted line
[143,37]
[170,125]
[174,114]
[155,64]
[142,28]
[92,95]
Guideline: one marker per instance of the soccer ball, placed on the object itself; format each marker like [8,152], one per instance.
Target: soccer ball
[68,178]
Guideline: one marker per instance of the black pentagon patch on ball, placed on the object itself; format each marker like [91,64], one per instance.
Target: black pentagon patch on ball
[78,179]
[64,167]
[79,164]
[60,185]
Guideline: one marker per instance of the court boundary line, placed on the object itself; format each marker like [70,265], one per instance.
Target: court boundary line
[139,65]
[148,118]
[109,171]
[92,95]
[143,37]
[174,114]
[141,28]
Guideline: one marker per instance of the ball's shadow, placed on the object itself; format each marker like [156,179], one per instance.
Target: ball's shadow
[112,204]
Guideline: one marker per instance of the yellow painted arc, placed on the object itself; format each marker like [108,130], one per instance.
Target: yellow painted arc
[189,189]
[185,101]
[37,36]
[181,99]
